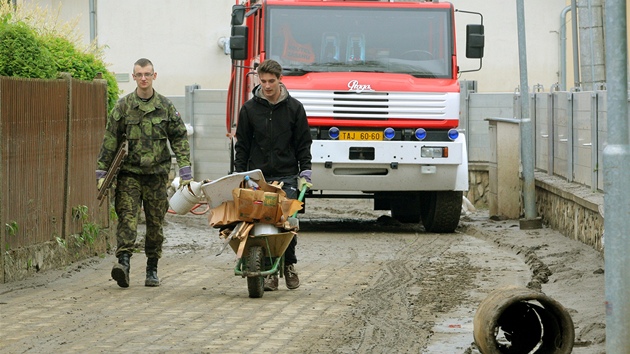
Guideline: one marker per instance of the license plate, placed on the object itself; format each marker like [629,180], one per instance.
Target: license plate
[358,135]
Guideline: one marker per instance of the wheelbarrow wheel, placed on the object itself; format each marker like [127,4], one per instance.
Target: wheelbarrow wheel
[255,285]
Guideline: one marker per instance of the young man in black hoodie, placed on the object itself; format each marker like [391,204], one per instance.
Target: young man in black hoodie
[273,135]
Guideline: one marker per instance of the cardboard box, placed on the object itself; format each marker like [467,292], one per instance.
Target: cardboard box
[257,205]
[254,206]
[223,215]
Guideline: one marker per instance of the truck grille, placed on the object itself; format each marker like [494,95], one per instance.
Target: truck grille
[375,105]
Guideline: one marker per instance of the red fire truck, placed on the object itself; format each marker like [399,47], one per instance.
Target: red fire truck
[379,83]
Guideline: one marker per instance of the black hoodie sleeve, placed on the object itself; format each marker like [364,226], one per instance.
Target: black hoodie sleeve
[303,139]
[244,136]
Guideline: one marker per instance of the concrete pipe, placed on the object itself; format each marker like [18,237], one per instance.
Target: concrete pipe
[521,320]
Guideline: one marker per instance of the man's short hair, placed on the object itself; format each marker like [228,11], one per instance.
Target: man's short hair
[270,66]
[142,62]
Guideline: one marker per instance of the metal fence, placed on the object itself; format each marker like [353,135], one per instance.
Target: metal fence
[50,133]
[570,130]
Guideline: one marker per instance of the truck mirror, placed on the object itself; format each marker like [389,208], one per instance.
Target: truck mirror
[238,43]
[238,15]
[475,41]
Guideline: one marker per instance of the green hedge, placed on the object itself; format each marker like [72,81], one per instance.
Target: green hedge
[82,66]
[25,53]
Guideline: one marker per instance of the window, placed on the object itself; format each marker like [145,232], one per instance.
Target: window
[412,41]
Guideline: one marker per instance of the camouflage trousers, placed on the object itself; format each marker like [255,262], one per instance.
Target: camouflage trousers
[132,193]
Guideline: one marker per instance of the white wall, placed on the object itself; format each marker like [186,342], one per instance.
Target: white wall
[65,12]
[500,72]
[180,37]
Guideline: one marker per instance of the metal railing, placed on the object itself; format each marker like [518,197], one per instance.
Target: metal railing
[570,130]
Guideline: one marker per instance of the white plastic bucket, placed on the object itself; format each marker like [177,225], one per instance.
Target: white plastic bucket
[261,229]
[185,198]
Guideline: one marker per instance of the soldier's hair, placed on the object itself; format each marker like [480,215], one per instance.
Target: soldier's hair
[142,62]
[270,66]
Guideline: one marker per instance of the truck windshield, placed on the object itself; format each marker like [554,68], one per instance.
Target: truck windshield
[417,42]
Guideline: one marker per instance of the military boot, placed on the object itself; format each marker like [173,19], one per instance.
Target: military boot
[152,278]
[120,272]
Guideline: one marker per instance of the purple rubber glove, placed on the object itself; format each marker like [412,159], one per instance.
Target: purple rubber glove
[100,178]
[185,176]
[306,174]
[304,180]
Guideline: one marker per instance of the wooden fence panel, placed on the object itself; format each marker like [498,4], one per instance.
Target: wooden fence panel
[50,133]
[87,126]
[34,122]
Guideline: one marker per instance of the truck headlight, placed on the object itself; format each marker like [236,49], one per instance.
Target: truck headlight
[434,151]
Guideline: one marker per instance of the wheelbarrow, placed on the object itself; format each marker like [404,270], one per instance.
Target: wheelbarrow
[259,246]
[264,245]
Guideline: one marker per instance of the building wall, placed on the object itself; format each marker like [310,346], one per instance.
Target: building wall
[181,38]
[500,72]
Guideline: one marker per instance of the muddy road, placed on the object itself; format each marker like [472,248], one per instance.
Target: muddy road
[368,285]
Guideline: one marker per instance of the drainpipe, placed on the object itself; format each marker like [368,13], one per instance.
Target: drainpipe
[189,101]
[92,21]
[616,177]
[576,55]
[527,139]
[563,49]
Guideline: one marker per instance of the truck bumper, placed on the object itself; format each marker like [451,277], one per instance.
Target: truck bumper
[371,166]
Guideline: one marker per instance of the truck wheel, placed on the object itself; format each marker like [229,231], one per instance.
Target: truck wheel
[440,211]
[255,285]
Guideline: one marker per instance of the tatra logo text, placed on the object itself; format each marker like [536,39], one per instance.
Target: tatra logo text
[353,85]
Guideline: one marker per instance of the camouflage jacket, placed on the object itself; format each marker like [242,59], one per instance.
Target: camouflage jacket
[149,127]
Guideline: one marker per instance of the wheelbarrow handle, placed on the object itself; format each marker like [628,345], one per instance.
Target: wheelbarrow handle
[301,198]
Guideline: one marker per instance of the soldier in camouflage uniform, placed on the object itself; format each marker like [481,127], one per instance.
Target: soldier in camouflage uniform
[149,122]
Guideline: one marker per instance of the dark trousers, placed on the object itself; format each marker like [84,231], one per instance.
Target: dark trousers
[290,187]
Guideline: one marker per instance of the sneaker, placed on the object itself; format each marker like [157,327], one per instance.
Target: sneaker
[291,277]
[271,282]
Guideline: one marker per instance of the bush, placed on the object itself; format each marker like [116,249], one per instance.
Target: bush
[82,66]
[23,54]
[31,48]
